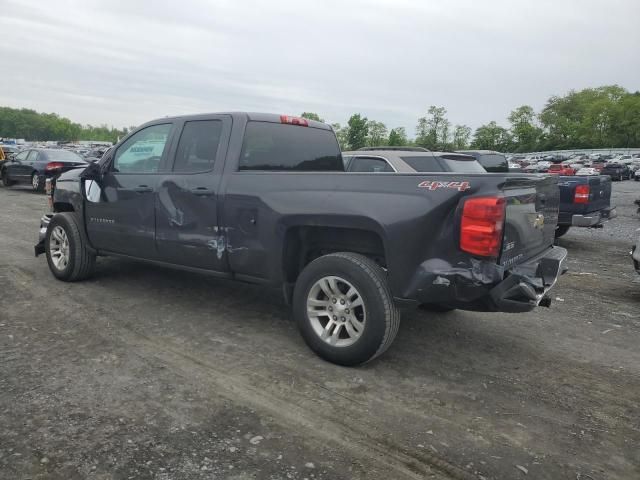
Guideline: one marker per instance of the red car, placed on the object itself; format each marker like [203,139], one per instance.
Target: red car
[559,169]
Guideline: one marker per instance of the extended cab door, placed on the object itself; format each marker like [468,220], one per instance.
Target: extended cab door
[187,199]
[121,219]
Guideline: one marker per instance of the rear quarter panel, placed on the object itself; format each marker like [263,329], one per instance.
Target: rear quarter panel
[418,225]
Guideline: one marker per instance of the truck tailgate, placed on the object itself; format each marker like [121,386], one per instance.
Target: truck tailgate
[532,204]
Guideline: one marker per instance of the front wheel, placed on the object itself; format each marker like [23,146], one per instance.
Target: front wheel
[344,308]
[5,178]
[68,255]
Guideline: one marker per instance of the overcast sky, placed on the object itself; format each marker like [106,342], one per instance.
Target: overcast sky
[124,62]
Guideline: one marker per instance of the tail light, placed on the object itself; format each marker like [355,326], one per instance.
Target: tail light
[53,166]
[582,194]
[294,120]
[481,226]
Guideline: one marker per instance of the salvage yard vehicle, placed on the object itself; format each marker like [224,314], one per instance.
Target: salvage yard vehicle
[494,162]
[560,169]
[382,160]
[264,198]
[35,165]
[617,171]
[585,201]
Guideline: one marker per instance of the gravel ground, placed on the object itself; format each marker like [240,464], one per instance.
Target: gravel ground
[144,373]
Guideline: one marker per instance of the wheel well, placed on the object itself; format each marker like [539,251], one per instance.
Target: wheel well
[305,243]
[62,207]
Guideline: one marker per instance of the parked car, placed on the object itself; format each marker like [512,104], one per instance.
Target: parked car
[35,165]
[587,171]
[617,171]
[585,201]
[636,175]
[8,151]
[403,161]
[560,169]
[493,162]
[264,198]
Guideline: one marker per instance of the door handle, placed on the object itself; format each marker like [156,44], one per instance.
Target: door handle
[203,191]
[142,189]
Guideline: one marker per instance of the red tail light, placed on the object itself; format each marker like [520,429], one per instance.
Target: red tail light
[582,194]
[481,226]
[294,120]
[53,166]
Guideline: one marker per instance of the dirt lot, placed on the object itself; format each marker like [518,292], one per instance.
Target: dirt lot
[148,373]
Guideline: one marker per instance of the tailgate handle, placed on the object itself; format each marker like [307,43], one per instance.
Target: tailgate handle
[142,189]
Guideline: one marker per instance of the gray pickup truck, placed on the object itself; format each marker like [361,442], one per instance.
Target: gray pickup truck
[264,198]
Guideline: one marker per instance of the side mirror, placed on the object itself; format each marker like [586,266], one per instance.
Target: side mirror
[92,172]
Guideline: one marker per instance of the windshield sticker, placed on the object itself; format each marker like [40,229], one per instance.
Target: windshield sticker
[460,186]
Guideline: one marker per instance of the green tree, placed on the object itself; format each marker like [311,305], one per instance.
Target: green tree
[461,137]
[492,137]
[524,132]
[358,131]
[342,134]
[312,116]
[433,131]
[377,133]
[398,137]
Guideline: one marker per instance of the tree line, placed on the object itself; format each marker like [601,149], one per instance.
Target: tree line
[31,125]
[603,117]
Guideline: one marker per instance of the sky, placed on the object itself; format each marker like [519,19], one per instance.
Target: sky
[124,62]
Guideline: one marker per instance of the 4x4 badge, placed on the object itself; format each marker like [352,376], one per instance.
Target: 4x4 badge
[460,186]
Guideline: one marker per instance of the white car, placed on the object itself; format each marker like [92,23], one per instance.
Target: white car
[587,171]
[543,166]
[514,166]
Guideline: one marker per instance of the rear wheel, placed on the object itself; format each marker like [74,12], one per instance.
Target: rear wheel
[66,248]
[561,230]
[344,308]
[36,183]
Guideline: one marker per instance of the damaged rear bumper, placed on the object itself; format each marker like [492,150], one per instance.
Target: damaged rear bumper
[39,248]
[489,287]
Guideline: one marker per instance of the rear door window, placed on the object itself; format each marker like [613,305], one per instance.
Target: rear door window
[370,164]
[198,146]
[282,147]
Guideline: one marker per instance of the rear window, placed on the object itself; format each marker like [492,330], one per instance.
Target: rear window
[370,164]
[276,146]
[493,162]
[64,155]
[444,163]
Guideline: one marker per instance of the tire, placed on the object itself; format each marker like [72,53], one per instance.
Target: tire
[561,230]
[80,261]
[37,183]
[435,307]
[5,180]
[371,318]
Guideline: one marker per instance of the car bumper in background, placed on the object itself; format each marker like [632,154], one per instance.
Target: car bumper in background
[42,234]
[594,219]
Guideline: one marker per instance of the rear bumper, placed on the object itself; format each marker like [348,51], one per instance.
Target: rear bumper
[42,234]
[527,284]
[593,219]
[486,286]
